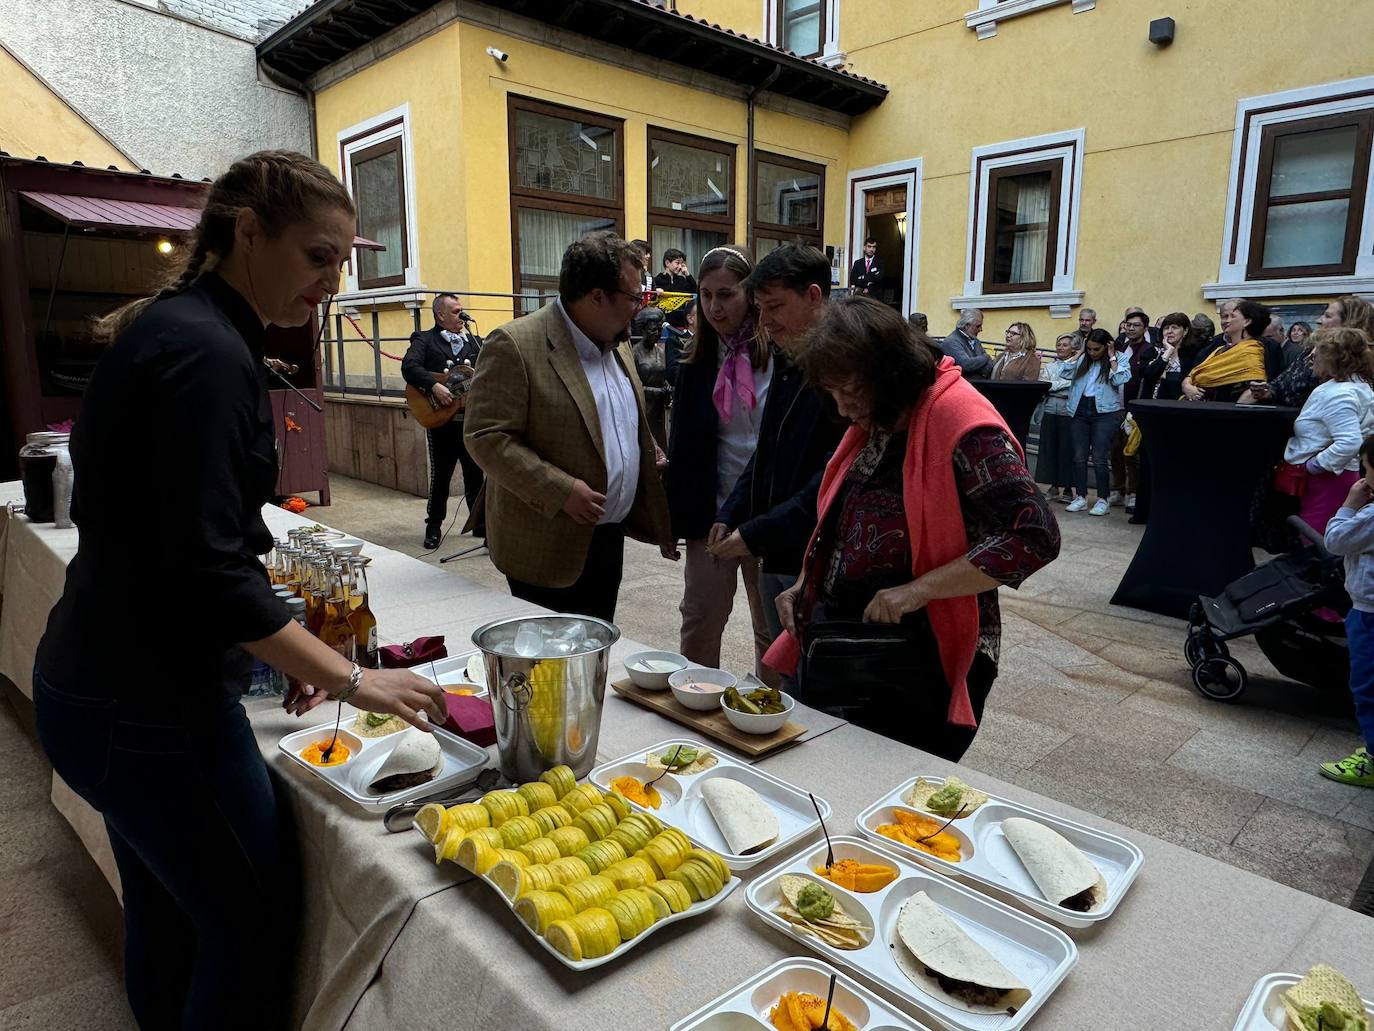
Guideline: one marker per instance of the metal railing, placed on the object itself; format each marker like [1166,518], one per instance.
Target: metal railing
[359,321]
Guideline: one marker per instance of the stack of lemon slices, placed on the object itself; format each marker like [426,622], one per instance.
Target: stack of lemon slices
[582,869]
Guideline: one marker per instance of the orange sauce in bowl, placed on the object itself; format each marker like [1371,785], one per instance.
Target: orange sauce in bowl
[314,754]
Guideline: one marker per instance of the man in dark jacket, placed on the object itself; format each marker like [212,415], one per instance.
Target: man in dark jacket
[866,274]
[449,342]
[772,510]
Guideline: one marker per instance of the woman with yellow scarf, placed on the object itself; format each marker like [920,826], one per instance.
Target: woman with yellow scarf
[1233,365]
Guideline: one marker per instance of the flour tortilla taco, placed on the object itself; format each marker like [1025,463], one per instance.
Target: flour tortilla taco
[416,759]
[747,822]
[1064,875]
[940,958]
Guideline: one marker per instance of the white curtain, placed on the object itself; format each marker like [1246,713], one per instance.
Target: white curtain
[377,188]
[1028,246]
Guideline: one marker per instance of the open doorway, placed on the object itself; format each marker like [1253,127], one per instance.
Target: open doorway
[885,222]
[885,206]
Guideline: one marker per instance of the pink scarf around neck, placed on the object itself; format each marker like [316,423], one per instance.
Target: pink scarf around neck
[736,377]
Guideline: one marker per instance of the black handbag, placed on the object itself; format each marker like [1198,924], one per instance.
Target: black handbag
[848,667]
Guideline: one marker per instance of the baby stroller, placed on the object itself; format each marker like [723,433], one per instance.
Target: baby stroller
[1283,603]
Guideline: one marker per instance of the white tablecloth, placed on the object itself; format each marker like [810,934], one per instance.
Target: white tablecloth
[425,947]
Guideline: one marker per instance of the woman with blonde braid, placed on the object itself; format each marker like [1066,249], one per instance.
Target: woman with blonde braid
[722,384]
[176,421]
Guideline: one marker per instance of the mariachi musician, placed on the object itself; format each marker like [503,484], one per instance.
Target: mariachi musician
[451,342]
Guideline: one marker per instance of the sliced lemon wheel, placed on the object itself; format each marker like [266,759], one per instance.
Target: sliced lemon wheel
[562,935]
[431,821]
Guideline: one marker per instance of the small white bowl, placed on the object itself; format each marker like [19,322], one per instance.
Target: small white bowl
[752,723]
[714,680]
[346,546]
[652,681]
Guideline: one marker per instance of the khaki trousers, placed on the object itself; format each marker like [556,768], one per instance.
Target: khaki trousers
[707,599]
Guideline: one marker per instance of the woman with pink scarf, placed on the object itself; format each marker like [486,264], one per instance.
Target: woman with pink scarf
[722,384]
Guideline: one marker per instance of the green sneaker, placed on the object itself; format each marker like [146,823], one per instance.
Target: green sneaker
[1356,769]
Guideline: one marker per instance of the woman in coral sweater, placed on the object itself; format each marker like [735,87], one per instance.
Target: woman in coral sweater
[924,511]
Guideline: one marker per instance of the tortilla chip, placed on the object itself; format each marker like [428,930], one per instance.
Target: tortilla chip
[701,764]
[839,929]
[1323,984]
[921,791]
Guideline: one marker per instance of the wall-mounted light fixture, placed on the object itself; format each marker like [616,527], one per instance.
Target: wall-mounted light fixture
[165,247]
[1162,31]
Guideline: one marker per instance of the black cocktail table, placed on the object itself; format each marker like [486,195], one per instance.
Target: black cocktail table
[1206,461]
[1015,401]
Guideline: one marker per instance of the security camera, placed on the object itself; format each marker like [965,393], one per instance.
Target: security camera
[500,55]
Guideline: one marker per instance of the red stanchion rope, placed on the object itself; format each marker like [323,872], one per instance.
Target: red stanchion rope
[368,340]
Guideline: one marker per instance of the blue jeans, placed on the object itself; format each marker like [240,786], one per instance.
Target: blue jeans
[1093,430]
[1359,635]
[209,878]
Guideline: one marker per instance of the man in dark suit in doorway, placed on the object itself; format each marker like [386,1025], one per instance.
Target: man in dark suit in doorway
[866,274]
[451,341]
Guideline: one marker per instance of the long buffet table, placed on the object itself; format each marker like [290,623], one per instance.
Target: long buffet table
[393,940]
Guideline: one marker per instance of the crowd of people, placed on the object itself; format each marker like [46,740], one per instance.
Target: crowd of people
[822,453]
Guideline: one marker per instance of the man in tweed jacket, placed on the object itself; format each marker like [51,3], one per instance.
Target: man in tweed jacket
[555,419]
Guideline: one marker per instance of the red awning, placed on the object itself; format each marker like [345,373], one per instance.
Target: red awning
[138,216]
[105,213]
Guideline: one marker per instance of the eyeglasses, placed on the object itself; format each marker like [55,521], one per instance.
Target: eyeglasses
[637,298]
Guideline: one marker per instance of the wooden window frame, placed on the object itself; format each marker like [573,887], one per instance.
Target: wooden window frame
[552,200]
[671,217]
[780,19]
[1363,121]
[772,230]
[397,145]
[1055,166]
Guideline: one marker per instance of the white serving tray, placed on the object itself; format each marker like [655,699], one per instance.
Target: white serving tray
[695,909]
[1040,955]
[746,1007]
[462,761]
[989,859]
[686,809]
[452,673]
[1264,1009]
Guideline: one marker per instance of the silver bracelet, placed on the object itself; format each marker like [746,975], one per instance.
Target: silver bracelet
[355,681]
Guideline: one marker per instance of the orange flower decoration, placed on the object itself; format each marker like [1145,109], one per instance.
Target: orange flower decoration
[296,505]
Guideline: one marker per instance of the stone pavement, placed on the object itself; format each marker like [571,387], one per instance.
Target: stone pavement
[1094,705]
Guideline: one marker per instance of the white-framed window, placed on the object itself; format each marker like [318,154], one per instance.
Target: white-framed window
[990,12]
[1025,199]
[894,222]
[378,165]
[1300,201]
[810,28]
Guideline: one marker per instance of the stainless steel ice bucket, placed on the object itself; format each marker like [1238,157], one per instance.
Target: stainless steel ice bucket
[547,679]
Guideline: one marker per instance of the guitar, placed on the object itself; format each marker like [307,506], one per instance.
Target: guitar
[428,412]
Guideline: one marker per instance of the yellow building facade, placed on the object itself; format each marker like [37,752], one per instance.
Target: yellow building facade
[1028,157]
[37,120]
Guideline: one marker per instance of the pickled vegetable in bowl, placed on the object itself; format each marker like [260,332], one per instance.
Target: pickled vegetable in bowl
[762,701]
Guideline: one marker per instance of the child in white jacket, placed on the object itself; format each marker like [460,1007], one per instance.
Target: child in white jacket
[1350,534]
[1337,417]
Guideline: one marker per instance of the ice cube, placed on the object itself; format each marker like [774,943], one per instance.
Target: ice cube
[528,640]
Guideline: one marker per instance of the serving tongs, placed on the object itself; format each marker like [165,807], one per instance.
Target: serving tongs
[400,816]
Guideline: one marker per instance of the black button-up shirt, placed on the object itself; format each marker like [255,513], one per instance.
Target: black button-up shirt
[174,455]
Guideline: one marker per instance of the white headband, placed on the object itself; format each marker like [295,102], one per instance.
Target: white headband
[739,254]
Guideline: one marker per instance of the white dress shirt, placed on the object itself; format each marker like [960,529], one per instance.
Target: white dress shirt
[618,413]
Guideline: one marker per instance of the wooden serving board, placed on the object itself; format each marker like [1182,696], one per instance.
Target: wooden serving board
[713,723]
